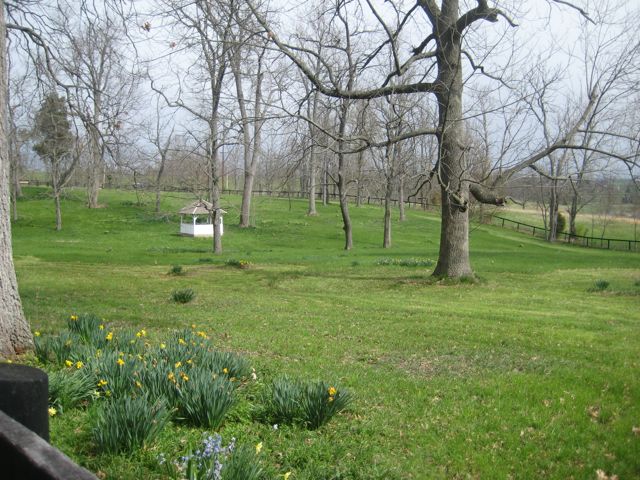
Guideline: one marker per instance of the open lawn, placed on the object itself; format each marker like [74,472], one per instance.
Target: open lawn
[528,373]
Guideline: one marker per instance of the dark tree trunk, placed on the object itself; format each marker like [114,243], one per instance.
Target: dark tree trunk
[453,259]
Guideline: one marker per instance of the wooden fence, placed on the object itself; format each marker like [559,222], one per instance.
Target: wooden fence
[591,242]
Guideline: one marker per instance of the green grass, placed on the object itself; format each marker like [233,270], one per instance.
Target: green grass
[524,374]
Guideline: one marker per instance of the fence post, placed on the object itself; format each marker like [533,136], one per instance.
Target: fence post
[25,396]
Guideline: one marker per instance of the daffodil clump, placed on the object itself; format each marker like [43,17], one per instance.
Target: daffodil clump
[311,404]
[134,386]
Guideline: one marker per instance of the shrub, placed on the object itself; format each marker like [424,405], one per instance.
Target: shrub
[127,423]
[561,223]
[176,270]
[599,286]
[68,390]
[183,296]
[204,399]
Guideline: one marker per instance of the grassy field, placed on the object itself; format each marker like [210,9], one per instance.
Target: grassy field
[592,225]
[528,373]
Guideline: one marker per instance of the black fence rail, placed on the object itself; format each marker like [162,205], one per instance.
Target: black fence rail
[364,199]
[591,242]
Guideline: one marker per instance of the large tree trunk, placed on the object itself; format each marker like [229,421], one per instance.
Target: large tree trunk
[453,259]
[15,335]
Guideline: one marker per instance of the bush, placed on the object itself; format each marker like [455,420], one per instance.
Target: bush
[127,423]
[204,399]
[561,223]
[176,270]
[183,296]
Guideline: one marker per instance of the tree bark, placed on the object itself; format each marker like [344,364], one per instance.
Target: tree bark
[401,198]
[386,242]
[15,335]
[453,259]
[342,182]
[95,169]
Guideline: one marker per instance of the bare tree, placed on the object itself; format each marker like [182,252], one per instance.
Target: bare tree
[245,55]
[452,50]
[207,30]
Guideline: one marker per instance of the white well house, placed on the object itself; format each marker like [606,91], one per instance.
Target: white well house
[196,219]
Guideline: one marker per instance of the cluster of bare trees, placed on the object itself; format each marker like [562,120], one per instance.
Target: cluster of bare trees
[452,101]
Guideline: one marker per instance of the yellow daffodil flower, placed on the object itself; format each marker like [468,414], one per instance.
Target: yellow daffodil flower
[258,448]
[120,362]
[68,363]
[79,365]
[52,412]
